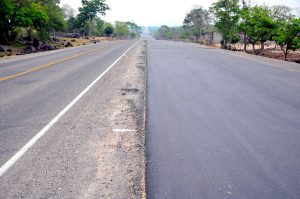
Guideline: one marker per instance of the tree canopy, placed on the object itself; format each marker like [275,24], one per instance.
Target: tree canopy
[238,20]
[20,14]
[288,36]
[226,19]
[196,21]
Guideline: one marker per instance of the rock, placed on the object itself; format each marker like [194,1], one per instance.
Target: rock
[28,49]
[33,49]
[55,39]
[44,47]
[233,48]
[35,43]
[76,35]
[69,44]
[26,38]
[9,50]
[87,38]
[73,40]
[28,43]
[47,47]
[51,48]
[2,49]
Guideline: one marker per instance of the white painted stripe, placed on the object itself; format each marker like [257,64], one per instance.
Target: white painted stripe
[123,130]
[27,146]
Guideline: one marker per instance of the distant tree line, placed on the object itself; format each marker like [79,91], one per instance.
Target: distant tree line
[237,21]
[40,18]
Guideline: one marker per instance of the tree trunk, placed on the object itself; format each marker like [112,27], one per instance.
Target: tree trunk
[245,46]
[3,38]
[253,47]
[285,55]
[245,43]
[225,44]
[262,47]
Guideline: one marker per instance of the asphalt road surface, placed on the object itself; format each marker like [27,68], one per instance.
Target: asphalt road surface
[221,126]
[33,90]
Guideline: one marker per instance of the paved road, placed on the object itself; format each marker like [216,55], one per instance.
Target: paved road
[220,126]
[60,164]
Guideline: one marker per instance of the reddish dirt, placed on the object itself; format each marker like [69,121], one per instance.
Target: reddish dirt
[278,54]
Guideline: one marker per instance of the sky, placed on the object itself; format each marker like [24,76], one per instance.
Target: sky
[161,12]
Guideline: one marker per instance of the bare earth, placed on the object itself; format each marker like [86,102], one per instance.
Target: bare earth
[121,169]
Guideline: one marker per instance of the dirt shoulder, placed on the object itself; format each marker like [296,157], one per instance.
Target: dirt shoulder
[26,47]
[286,65]
[121,152]
[272,52]
[290,66]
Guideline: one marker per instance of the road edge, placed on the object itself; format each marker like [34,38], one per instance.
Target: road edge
[144,177]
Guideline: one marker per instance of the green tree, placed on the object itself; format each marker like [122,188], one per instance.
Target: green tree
[164,32]
[184,33]
[99,26]
[227,18]
[89,11]
[90,28]
[247,27]
[55,21]
[196,21]
[288,37]
[264,25]
[256,25]
[121,29]
[72,24]
[108,29]
[20,14]
[134,29]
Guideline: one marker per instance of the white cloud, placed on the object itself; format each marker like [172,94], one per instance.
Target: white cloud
[158,12]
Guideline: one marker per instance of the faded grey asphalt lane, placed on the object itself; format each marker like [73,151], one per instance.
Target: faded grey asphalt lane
[220,126]
[29,102]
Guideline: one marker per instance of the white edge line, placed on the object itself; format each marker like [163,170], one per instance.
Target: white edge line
[27,146]
[123,130]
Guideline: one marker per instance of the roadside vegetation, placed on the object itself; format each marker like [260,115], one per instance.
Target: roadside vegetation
[243,23]
[36,25]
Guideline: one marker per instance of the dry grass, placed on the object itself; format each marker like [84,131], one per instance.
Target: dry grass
[17,48]
[270,51]
[80,41]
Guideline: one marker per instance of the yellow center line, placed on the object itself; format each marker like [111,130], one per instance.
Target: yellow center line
[48,64]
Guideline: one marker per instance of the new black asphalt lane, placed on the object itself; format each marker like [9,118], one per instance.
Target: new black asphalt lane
[220,126]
